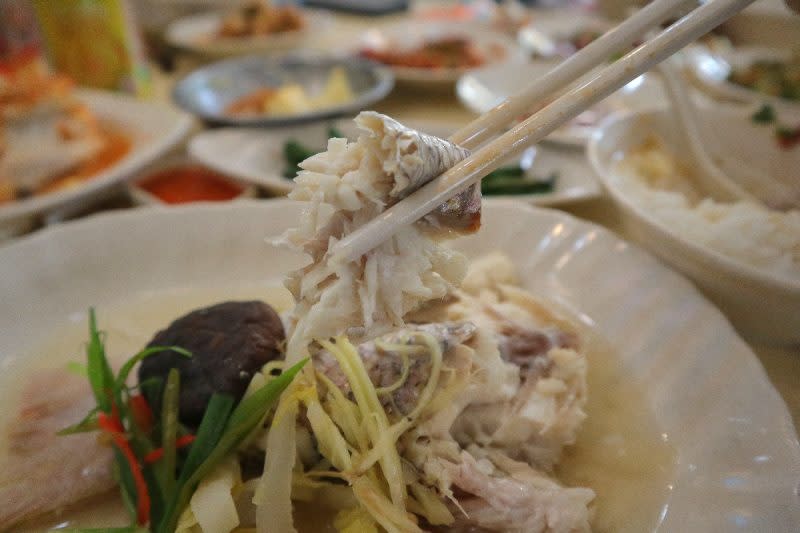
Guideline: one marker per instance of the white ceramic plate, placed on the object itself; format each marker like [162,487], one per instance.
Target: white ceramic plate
[257,156]
[761,304]
[738,459]
[496,47]
[712,69]
[154,128]
[197,33]
[481,90]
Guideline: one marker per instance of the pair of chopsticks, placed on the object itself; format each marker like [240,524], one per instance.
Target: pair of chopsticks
[606,81]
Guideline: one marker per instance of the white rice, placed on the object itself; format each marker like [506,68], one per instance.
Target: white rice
[766,239]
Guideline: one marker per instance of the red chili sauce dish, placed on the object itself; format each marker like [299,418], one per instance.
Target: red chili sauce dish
[190,183]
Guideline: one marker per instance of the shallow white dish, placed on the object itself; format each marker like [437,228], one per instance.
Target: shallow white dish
[760,304]
[738,457]
[153,128]
[197,33]
[712,69]
[480,90]
[257,156]
[496,47]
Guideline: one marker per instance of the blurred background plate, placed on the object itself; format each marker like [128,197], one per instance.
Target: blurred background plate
[258,157]
[552,33]
[197,33]
[712,69]
[208,91]
[152,129]
[483,89]
[495,47]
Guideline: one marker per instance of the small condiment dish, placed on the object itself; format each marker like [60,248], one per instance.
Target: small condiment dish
[181,180]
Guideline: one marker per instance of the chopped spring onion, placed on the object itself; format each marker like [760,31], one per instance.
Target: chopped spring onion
[764,115]
[169,429]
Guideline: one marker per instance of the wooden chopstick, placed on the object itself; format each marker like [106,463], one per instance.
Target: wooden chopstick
[617,40]
[536,127]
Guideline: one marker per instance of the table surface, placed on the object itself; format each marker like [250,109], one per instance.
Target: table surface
[407,104]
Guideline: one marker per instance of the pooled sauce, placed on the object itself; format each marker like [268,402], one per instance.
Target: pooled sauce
[620,453]
[190,183]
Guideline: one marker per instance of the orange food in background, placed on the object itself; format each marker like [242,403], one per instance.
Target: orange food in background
[190,183]
[117,145]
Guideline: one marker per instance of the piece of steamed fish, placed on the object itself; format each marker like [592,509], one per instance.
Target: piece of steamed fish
[44,472]
[415,158]
[347,186]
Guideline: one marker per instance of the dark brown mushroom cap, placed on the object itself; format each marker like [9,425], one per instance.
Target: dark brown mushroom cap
[230,342]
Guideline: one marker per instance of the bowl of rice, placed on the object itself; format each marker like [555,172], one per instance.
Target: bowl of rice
[744,256]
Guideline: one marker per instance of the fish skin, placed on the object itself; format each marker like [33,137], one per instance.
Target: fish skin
[43,472]
[417,159]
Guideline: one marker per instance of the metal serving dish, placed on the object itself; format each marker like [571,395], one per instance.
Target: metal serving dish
[208,91]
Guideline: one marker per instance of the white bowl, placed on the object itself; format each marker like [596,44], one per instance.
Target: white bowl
[761,305]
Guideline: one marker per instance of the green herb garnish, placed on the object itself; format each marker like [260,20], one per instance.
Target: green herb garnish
[512,181]
[765,115]
[295,153]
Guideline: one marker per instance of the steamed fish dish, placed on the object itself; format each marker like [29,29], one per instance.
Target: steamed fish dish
[404,391]
[49,139]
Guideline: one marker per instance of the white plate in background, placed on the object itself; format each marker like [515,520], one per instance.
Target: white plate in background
[257,156]
[496,47]
[737,454]
[153,129]
[198,34]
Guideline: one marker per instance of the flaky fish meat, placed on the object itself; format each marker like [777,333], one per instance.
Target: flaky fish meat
[346,187]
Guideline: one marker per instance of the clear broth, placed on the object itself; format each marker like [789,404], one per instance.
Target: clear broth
[620,453]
